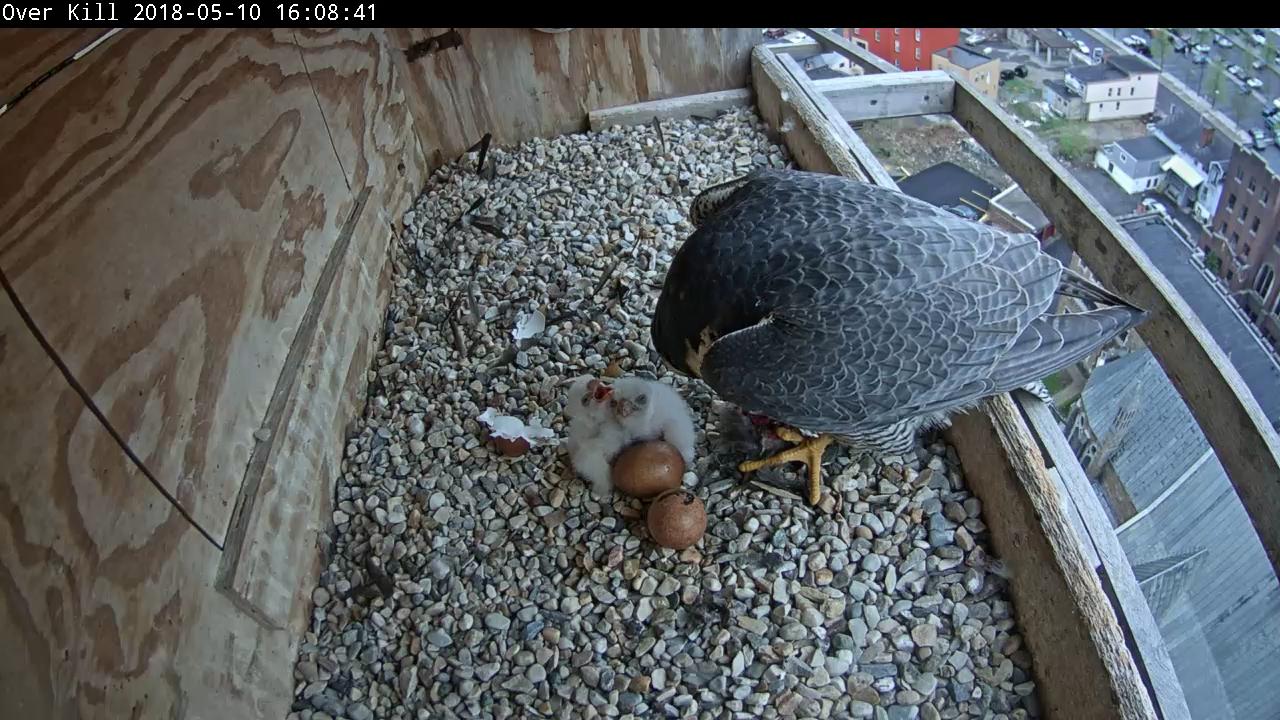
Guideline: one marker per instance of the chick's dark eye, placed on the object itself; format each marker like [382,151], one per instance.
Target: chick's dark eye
[642,399]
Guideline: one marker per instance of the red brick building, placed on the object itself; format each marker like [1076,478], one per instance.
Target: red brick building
[1245,238]
[908,48]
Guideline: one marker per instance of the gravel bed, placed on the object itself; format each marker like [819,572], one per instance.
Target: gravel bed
[458,582]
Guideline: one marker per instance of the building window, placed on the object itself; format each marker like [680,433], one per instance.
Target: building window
[1266,195]
[877,36]
[1223,230]
[896,31]
[1254,228]
[857,31]
[917,53]
[1117,105]
[1263,282]
[1239,173]
[1109,91]
[1252,185]
[1231,202]
[1276,310]
[1131,91]
[917,34]
[1235,239]
[1247,250]
[897,46]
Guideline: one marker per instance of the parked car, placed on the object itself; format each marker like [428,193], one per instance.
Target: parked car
[1222,41]
[965,211]
[1235,70]
[1258,65]
[1082,47]
[1260,138]
[1253,82]
[1020,71]
[1199,59]
[1202,48]
[1258,38]
[1151,204]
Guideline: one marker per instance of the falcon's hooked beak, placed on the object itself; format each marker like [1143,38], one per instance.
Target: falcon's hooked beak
[599,391]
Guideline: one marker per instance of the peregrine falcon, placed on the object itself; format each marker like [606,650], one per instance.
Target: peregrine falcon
[844,311]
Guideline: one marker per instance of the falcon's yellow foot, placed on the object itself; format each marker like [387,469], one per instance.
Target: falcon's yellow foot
[807,450]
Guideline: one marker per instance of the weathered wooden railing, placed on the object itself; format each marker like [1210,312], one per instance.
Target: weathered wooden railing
[1223,406]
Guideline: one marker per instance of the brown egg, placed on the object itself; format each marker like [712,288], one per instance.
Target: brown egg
[511,447]
[646,469]
[677,519]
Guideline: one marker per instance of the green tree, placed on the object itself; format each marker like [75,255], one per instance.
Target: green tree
[1161,44]
[1240,103]
[1073,143]
[1214,77]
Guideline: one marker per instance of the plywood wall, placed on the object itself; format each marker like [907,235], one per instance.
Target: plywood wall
[518,83]
[194,232]
[197,222]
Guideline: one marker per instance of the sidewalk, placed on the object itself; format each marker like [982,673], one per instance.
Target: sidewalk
[1177,87]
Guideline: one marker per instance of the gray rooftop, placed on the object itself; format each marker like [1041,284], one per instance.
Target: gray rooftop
[1231,331]
[1113,68]
[1271,154]
[1223,636]
[1050,38]
[1147,147]
[1188,131]
[963,57]
[1061,88]
[1163,439]
[1096,73]
[1132,64]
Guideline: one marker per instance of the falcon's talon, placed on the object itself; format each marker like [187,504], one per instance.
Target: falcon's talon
[808,450]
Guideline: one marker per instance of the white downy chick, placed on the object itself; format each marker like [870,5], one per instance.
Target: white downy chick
[652,410]
[595,436]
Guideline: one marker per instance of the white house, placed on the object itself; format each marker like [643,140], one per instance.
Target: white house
[1137,165]
[1119,87]
[1208,152]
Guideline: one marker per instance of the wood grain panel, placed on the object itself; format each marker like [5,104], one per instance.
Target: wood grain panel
[26,54]
[169,204]
[277,557]
[107,608]
[518,83]
[362,96]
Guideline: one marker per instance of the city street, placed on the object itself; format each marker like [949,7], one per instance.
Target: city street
[1247,114]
